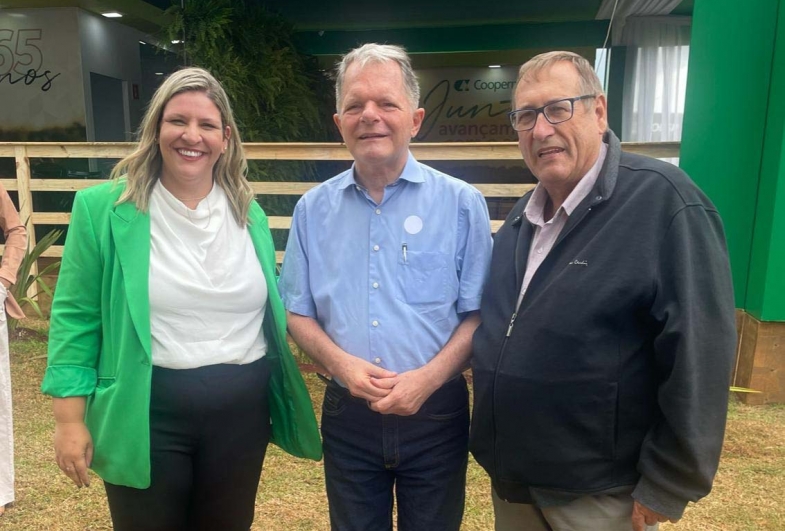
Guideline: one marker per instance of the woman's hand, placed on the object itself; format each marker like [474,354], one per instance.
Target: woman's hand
[73,443]
[74,451]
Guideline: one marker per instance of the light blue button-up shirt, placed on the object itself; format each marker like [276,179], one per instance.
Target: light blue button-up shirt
[388,281]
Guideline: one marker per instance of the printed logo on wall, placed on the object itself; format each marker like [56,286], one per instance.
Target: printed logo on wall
[41,83]
[467,104]
[21,59]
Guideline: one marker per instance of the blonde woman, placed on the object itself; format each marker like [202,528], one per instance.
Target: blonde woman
[167,349]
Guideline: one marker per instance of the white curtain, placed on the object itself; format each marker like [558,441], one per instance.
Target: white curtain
[655,78]
[621,10]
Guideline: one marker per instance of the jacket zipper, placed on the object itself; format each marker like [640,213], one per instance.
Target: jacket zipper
[516,223]
[495,378]
[509,328]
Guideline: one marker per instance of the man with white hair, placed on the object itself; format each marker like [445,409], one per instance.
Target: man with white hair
[602,364]
[382,281]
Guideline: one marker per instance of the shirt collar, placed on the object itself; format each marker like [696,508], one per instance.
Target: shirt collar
[412,172]
[536,206]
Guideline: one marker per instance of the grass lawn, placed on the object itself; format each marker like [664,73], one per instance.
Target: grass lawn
[749,492]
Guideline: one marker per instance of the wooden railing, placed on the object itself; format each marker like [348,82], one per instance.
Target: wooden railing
[26,187]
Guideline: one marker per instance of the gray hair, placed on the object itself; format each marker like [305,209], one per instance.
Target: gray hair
[589,82]
[378,53]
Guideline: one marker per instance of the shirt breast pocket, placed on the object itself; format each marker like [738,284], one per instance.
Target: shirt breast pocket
[422,278]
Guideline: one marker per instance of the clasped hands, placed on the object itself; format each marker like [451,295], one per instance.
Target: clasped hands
[387,392]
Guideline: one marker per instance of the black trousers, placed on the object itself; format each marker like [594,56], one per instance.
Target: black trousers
[209,429]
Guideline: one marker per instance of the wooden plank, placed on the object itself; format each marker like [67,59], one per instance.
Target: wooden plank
[55,251]
[275,222]
[299,188]
[51,218]
[760,364]
[658,150]
[745,356]
[7,149]
[504,190]
[322,150]
[300,151]
[63,185]
[264,188]
[279,222]
[25,196]
[26,203]
[423,151]
[81,150]
[769,365]
[23,186]
[73,185]
[281,188]
[467,151]
[285,222]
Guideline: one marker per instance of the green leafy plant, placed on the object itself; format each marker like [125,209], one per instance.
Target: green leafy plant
[26,280]
[278,94]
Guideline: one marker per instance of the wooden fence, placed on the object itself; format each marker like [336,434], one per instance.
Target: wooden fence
[463,151]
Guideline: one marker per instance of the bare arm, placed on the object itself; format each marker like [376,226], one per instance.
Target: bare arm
[356,374]
[73,443]
[409,390]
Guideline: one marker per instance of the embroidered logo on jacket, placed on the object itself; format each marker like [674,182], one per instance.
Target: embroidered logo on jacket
[584,263]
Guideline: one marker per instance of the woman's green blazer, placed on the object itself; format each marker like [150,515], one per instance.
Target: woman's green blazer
[99,337]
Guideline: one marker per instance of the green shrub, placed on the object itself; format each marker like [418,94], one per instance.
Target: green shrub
[26,280]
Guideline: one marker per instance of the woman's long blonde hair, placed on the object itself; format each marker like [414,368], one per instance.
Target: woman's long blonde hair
[142,168]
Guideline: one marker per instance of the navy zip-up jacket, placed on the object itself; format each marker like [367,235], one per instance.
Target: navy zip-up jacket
[617,367]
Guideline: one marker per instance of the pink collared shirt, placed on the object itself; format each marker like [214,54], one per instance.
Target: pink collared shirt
[546,232]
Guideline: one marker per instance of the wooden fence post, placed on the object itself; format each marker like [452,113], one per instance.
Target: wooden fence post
[26,203]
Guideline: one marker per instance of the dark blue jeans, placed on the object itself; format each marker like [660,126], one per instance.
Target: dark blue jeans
[422,458]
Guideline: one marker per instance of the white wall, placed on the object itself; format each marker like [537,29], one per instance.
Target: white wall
[47,42]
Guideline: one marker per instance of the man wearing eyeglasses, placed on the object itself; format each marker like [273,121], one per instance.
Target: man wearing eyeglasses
[602,364]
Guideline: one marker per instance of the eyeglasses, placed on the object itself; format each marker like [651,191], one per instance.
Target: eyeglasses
[555,112]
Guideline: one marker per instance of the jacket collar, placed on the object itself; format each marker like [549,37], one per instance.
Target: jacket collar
[131,235]
[606,182]
[603,190]
[412,172]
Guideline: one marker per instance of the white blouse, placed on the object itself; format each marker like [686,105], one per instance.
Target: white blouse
[207,289]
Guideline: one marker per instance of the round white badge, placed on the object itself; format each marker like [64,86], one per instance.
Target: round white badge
[412,224]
